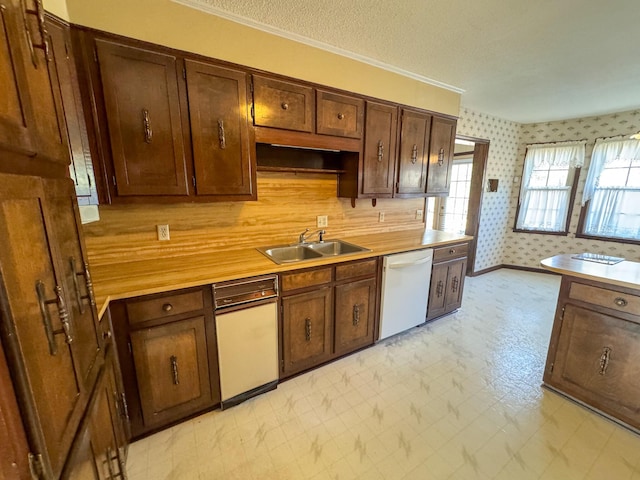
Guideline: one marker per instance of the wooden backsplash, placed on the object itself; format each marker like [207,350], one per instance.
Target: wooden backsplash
[287,204]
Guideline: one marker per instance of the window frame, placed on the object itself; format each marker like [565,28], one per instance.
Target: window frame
[582,221]
[572,197]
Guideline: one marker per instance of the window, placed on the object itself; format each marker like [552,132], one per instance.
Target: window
[611,198]
[454,207]
[548,186]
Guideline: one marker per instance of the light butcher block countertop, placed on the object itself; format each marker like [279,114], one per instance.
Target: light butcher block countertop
[130,279]
[624,274]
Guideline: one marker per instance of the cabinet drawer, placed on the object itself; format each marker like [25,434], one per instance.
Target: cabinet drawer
[449,252]
[318,276]
[339,115]
[622,302]
[356,269]
[144,310]
[281,104]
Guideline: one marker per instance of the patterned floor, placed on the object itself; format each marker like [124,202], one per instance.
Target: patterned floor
[457,399]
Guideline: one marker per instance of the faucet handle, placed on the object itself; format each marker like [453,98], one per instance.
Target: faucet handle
[301,238]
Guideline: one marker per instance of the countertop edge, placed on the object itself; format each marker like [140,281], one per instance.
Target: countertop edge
[624,274]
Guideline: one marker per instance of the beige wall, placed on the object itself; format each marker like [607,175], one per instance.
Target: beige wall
[177,26]
[57,7]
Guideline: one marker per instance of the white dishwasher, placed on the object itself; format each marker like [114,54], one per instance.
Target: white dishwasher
[247,332]
[405,291]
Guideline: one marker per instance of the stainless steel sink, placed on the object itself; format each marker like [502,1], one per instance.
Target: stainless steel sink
[336,247]
[301,252]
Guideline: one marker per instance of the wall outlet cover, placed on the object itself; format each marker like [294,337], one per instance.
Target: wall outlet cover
[163,232]
[322,221]
[419,214]
[381,217]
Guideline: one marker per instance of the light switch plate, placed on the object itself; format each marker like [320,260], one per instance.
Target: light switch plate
[419,214]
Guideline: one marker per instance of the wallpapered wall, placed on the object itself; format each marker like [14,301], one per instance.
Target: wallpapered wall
[503,136]
[528,249]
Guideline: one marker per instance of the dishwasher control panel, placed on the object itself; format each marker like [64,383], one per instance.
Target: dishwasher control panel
[238,292]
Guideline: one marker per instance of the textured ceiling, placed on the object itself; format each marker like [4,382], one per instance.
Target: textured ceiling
[521,60]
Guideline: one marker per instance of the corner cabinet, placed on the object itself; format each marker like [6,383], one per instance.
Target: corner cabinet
[443,135]
[326,312]
[594,350]
[49,322]
[447,280]
[171,129]
[168,354]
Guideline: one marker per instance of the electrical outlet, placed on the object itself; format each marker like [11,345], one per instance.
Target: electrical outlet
[163,232]
[381,217]
[322,221]
[419,214]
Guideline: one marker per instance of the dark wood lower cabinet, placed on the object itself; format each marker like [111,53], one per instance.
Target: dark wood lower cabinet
[447,280]
[168,356]
[327,312]
[594,351]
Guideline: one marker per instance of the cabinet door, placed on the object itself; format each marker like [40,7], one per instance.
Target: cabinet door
[37,317]
[355,313]
[437,291]
[281,104]
[443,135]
[222,148]
[597,360]
[455,284]
[31,117]
[412,162]
[76,278]
[142,106]
[306,329]
[339,115]
[379,150]
[81,168]
[172,370]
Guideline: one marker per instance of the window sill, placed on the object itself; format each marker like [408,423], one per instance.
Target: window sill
[540,232]
[609,239]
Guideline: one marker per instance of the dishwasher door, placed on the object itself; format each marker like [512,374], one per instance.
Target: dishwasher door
[405,291]
[247,352]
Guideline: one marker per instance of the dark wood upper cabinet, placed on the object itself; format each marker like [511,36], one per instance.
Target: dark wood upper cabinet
[415,129]
[81,168]
[142,106]
[223,149]
[443,135]
[31,116]
[379,156]
[339,115]
[281,104]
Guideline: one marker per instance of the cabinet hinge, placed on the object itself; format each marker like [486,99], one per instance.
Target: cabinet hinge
[114,180]
[251,86]
[130,349]
[551,368]
[95,55]
[184,73]
[193,180]
[35,465]
[253,115]
[66,49]
[281,364]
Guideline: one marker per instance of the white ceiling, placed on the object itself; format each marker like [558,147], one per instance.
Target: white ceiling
[520,60]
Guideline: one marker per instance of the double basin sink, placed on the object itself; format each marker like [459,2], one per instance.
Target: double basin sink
[300,252]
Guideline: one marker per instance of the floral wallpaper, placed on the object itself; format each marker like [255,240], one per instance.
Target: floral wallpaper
[525,249]
[503,136]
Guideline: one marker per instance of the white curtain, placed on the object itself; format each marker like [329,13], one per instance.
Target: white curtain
[546,207]
[614,208]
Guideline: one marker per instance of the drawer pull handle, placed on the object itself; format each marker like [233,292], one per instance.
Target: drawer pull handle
[174,369]
[439,288]
[356,315]
[380,150]
[167,307]
[604,360]
[106,335]
[221,138]
[414,154]
[455,283]
[621,302]
[441,157]
[284,105]
[146,124]
[452,251]
[307,329]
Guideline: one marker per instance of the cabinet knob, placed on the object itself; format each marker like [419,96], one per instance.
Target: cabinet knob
[284,105]
[340,116]
[452,251]
[167,307]
[621,302]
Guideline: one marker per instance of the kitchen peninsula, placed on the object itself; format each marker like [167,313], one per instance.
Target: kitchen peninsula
[594,352]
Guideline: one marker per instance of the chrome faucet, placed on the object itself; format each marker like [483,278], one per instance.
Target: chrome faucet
[303,237]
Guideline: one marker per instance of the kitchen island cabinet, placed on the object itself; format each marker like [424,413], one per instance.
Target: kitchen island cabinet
[594,351]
